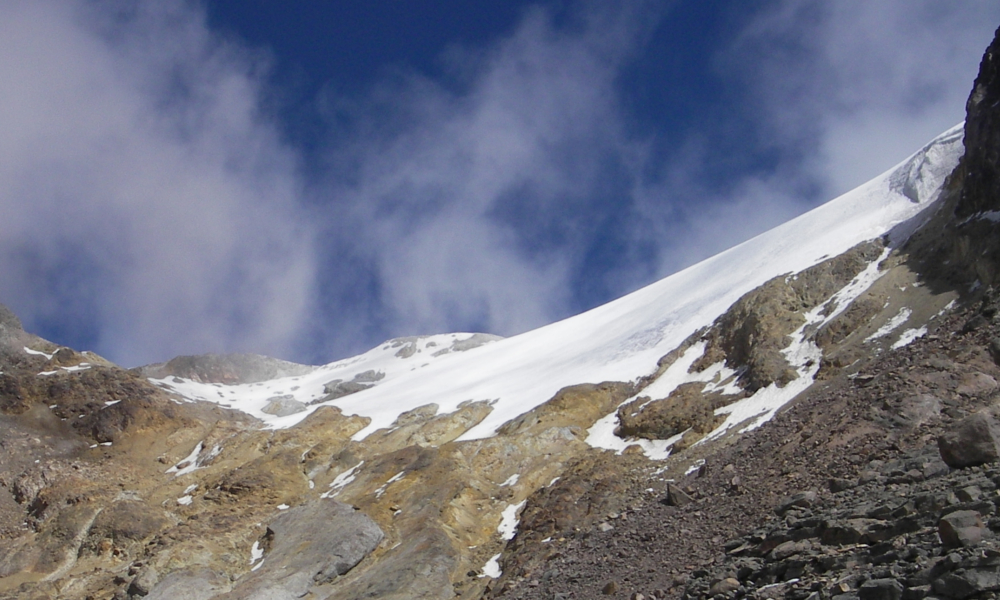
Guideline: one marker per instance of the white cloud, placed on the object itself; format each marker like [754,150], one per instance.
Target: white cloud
[860,85]
[471,201]
[839,92]
[141,189]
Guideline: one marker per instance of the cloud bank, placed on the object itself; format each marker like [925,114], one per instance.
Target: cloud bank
[147,207]
[150,206]
[834,94]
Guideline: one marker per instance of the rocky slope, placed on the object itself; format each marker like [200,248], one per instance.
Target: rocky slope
[775,437]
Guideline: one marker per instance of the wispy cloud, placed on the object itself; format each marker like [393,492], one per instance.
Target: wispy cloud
[859,85]
[833,94]
[146,204]
[476,204]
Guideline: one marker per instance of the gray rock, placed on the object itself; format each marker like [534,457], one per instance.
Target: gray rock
[145,581]
[282,406]
[960,529]
[973,441]
[197,583]
[881,589]
[994,349]
[419,567]
[969,493]
[474,341]
[369,376]
[786,549]
[839,485]
[849,531]
[225,368]
[975,384]
[338,389]
[10,327]
[313,544]
[935,468]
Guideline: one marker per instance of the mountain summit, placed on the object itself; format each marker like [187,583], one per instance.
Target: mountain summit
[807,415]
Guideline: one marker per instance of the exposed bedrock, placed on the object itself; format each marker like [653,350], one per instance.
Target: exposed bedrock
[750,335]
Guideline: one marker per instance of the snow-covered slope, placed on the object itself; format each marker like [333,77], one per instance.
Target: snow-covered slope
[619,341]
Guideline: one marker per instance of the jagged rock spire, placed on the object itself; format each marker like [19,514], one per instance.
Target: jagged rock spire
[981,191]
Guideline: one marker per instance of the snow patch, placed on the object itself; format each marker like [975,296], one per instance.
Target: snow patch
[492,567]
[891,325]
[394,478]
[190,463]
[341,481]
[508,520]
[694,466]
[256,553]
[908,336]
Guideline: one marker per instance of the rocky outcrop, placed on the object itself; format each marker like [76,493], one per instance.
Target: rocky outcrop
[750,336]
[306,547]
[224,368]
[686,408]
[339,388]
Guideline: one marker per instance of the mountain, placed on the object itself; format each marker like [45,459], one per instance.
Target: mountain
[763,424]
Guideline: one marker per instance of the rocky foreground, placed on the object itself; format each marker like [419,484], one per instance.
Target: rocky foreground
[845,495]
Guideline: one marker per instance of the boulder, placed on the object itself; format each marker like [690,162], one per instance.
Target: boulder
[918,409]
[973,441]
[960,529]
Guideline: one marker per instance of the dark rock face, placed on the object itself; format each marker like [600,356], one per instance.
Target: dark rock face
[981,190]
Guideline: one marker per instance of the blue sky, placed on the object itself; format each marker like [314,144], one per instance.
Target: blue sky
[307,179]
